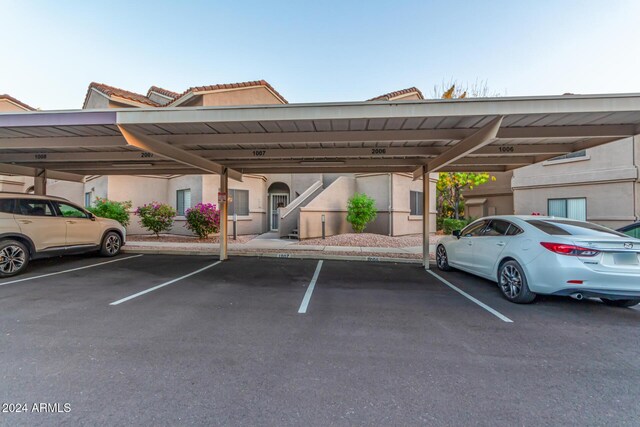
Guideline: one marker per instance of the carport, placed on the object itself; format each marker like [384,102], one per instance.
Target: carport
[418,137]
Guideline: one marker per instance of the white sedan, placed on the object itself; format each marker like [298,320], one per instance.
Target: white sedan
[529,255]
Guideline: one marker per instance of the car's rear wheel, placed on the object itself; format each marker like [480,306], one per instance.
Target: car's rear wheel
[14,257]
[621,302]
[111,244]
[513,283]
[442,260]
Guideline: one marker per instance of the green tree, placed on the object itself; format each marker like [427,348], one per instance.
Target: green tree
[106,208]
[361,210]
[450,202]
[449,190]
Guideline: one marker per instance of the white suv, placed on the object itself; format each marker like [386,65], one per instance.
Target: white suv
[42,226]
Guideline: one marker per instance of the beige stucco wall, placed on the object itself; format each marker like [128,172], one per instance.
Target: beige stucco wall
[332,202]
[607,177]
[16,184]
[7,106]
[403,222]
[255,222]
[72,191]
[498,195]
[244,96]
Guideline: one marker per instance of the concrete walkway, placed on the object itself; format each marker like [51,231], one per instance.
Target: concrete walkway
[266,246]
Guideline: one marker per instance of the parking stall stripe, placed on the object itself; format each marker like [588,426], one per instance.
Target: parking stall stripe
[69,270]
[146,291]
[466,295]
[312,285]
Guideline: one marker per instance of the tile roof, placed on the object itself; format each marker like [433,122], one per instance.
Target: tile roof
[161,91]
[233,86]
[391,95]
[16,101]
[121,93]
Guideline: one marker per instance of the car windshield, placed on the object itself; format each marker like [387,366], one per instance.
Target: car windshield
[567,227]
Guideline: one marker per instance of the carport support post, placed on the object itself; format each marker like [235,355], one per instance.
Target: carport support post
[426,218]
[224,223]
[40,183]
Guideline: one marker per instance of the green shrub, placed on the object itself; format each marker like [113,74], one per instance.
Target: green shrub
[450,224]
[156,217]
[105,208]
[361,210]
[203,219]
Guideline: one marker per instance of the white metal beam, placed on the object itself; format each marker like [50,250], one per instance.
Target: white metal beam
[147,143]
[43,157]
[479,139]
[9,169]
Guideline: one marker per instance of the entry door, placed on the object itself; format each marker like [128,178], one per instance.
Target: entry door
[278,200]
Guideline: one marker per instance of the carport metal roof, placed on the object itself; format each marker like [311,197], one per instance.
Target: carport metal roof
[484,134]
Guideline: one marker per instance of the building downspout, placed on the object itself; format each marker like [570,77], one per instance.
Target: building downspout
[390,204]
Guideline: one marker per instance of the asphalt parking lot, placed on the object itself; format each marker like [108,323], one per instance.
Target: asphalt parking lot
[168,340]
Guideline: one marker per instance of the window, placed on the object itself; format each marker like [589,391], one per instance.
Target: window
[474,229]
[416,202]
[239,204]
[70,211]
[34,207]
[6,206]
[87,199]
[497,228]
[633,231]
[183,201]
[568,208]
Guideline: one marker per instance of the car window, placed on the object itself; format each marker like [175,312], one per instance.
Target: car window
[70,211]
[474,229]
[573,228]
[514,230]
[497,228]
[34,207]
[6,206]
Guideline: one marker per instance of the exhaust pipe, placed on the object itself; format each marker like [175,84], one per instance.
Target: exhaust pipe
[577,296]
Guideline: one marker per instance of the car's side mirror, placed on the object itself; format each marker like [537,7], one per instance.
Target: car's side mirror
[456,233]
[92,217]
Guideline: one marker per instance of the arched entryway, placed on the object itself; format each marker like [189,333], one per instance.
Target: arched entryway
[278,194]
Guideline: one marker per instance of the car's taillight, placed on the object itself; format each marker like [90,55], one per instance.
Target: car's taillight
[571,250]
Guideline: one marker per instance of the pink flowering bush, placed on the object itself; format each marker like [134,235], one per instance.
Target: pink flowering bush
[156,217]
[203,219]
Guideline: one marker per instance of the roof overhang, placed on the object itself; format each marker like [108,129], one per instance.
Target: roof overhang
[484,134]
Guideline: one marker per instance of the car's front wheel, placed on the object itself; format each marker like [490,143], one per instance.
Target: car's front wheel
[621,302]
[111,244]
[442,260]
[14,257]
[513,283]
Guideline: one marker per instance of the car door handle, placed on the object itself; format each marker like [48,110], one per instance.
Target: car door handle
[25,221]
[71,222]
[500,243]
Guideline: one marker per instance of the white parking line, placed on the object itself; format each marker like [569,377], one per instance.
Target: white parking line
[69,270]
[312,285]
[130,297]
[466,295]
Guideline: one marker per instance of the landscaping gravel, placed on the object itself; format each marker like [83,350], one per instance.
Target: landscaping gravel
[175,238]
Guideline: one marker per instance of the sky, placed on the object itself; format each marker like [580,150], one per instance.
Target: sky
[318,51]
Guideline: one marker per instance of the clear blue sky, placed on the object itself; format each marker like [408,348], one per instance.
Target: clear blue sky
[314,51]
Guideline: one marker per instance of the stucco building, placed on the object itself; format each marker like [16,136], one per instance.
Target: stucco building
[600,184]
[291,204]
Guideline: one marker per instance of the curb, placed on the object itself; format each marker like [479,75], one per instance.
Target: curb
[283,255]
